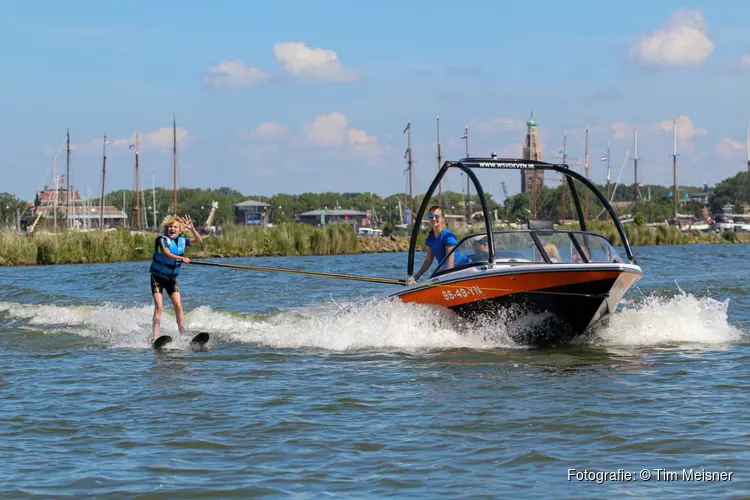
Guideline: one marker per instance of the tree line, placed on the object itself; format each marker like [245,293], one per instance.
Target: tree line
[654,203]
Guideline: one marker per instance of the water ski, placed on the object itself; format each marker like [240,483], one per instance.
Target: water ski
[162,341]
[200,339]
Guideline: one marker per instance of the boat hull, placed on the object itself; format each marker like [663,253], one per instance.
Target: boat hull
[576,297]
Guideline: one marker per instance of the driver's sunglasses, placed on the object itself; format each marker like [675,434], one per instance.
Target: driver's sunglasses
[433,216]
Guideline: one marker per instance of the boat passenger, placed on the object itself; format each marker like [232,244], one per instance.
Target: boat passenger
[552,252]
[481,249]
[168,257]
[439,243]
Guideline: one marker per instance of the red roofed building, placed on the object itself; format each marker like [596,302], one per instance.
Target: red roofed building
[78,214]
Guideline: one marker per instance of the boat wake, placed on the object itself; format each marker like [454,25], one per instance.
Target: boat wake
[678,320]
[382,325]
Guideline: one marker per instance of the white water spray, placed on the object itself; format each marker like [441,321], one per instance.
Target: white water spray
[383,325]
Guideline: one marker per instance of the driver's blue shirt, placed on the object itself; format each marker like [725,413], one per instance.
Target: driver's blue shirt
[438,245]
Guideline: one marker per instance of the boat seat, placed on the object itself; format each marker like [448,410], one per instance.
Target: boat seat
[541,224]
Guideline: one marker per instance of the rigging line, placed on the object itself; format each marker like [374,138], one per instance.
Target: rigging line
[624,162]
[389,281]
[49,170]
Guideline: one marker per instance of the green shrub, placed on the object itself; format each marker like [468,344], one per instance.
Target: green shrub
[730,237]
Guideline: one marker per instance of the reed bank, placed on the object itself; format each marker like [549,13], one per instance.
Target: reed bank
[292,239]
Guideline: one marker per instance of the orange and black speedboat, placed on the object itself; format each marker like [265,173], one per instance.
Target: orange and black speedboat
[575,278]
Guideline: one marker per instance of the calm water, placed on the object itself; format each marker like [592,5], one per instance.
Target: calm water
[309,389]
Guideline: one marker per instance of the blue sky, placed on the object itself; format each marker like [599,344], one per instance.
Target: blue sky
[313,96]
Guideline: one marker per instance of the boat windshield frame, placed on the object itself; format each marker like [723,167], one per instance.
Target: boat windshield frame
[467,165]
[584,255]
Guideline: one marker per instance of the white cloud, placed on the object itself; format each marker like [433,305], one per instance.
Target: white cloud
[234,74]
[745,60]
[156,139]
[267,130]
[298,60]
[682,40]
[361,141]
[727,147]
[312,63]
[333,131]
[685,128]
[686,131]
[497,125]
[327,130]
[622,130]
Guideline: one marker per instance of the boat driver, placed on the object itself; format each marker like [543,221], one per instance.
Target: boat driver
[439,243]
[481,249]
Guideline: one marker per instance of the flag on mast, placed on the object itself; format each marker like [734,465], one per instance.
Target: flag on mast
[465,135]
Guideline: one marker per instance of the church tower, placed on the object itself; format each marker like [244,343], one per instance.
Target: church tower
[532,150]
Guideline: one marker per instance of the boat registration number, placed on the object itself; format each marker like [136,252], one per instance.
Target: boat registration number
[463,292]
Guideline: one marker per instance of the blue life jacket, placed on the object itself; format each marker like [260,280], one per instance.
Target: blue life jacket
[162,266]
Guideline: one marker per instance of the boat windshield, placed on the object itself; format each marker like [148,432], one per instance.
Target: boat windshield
[521,247]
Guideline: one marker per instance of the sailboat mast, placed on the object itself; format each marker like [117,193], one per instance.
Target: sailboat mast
[67,177]
[674,168]
[564,148]
[586,167]
[55,185]
[137,187]
[174,162]
[637,191]
[144,213]
[104,175]
[468,181]
[609,176]
[747,142]
[153,193]
[439,163]
[609,172]
[407,130]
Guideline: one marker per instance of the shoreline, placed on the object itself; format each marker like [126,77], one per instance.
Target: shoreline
[17,249]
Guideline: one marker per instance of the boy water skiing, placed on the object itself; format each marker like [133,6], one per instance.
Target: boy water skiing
[168,257]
